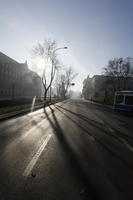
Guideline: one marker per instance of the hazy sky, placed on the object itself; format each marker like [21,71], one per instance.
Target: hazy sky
[94,30]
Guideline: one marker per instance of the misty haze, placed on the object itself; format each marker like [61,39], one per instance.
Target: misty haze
[66,100]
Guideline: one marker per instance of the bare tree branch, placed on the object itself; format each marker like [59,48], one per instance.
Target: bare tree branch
[46,52]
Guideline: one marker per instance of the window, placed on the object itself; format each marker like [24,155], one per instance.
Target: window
[129,100]
[119,99]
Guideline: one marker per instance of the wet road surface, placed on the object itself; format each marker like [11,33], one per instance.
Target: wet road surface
[74,149]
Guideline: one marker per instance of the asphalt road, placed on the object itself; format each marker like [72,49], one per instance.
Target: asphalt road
[71,150]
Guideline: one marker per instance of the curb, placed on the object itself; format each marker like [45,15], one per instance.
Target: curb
[24,111]
[15,113]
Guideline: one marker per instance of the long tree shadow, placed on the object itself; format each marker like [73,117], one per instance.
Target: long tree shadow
[91,181]
[71,156]
[92,122]
[106,108]
[78,115]
[94,125]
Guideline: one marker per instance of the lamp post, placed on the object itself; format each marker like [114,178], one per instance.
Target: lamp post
[60,48]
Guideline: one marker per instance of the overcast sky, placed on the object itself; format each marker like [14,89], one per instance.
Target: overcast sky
[94,30]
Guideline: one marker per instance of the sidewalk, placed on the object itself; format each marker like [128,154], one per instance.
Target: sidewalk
[26,110]
[100,103]
[18,112]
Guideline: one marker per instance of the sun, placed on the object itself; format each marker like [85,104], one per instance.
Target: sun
[41,64]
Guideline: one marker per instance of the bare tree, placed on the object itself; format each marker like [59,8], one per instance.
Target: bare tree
[118,73]
[64,81]
[46,52]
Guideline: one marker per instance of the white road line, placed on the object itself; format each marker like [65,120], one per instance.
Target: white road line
[22,137]
[126,144]
[31,164]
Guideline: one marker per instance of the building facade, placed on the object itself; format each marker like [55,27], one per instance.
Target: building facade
[17,80]
[102,88]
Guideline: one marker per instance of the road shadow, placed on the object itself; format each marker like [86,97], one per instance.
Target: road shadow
[100,127]
[122,117]
[106,108]
[71,156]
[91,122]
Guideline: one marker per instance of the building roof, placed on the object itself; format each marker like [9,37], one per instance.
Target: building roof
[6,59]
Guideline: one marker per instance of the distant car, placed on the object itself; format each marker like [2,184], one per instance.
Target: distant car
[123,101]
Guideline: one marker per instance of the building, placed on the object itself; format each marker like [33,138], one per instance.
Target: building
[102,88]
[17,80]
[93,87]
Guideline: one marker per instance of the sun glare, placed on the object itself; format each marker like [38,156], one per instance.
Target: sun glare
[41,64]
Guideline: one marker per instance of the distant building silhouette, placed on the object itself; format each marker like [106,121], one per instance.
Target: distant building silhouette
[17,80]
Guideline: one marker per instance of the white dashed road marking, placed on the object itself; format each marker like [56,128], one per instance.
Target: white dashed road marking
[32,163]
[22,137]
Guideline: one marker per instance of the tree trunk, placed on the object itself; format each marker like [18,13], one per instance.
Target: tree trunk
[45,95]
[50,94]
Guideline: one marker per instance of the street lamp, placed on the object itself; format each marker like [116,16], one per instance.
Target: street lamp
[52,62]
[59,49]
